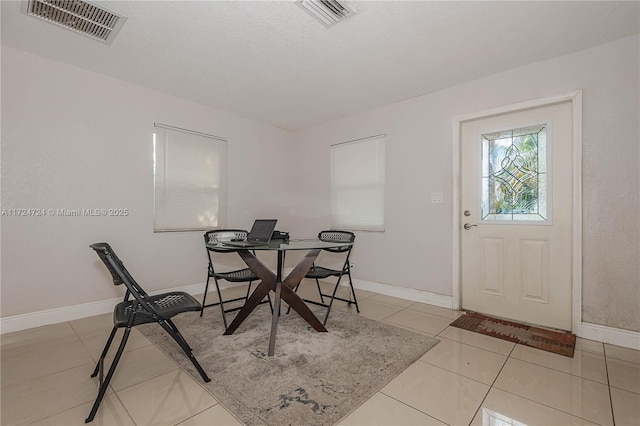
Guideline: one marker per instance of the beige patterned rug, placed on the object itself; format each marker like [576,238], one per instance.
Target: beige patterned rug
[314,378]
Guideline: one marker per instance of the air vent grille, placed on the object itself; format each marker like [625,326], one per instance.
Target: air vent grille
[80,16]
[327,12]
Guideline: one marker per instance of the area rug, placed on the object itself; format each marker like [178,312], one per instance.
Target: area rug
[312,379]
[560,342]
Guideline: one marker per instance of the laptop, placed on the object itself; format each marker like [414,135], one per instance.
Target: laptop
[259,235]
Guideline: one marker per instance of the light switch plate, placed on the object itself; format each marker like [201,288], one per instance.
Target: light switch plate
[436,197]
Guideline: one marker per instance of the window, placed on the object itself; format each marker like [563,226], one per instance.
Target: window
[357,184]
[515,181]
[190,180]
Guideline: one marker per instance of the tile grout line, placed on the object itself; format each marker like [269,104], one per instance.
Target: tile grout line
[114,392]
[491,386]
[418,360]
[510,356]
[438,335]
[411,407]
[549,406]
[606,369]
[60,371]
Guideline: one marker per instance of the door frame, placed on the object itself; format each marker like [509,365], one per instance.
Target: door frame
[575,97]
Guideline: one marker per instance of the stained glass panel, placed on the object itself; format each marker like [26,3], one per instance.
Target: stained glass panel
[514,175]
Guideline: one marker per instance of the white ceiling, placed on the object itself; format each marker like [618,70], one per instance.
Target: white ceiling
[270,61]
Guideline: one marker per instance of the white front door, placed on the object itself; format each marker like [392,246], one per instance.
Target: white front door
[516,207]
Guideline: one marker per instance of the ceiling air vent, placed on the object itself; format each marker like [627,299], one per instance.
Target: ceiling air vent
[83,17]
[327,12]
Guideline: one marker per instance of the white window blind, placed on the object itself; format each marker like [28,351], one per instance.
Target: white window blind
[357,184]
[190,180]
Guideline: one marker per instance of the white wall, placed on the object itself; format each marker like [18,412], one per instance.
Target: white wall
[76,139]
[419,161]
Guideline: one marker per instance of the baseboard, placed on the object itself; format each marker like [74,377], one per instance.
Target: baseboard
[405,293]
[70,313]
[601,333]
[614,336]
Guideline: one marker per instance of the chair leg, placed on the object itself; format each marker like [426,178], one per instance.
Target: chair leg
[174,328]
[355,301]
[105,384]
[249,293]
[224,317]
[270,304]
[295,289]
[333,295]
[170,327]
[204,296]
[319,291]
[104,351]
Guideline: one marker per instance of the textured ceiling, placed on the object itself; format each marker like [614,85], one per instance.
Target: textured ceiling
[272,62]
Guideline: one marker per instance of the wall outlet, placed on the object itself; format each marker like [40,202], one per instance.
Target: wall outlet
[352,266]
[436,197]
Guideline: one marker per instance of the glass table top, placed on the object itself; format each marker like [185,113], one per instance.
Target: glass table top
[283,245]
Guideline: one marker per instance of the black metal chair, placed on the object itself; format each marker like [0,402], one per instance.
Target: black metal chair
[141,309]
[244,275]
[321,272]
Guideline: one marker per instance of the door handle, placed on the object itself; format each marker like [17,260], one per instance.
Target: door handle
[468,226]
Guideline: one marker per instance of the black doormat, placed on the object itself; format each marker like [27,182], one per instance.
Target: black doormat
[559,342]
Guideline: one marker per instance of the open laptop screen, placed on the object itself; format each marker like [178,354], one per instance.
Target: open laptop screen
[262,230]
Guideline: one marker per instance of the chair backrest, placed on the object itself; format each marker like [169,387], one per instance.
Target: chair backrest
[104,250]
[337,236]
[217,235]
[120,274]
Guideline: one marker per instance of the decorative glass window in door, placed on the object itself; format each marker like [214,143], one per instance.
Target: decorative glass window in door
[514,175]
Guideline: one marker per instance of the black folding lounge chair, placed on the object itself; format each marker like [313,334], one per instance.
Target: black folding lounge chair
[318,272]
[244,275]
[141,309]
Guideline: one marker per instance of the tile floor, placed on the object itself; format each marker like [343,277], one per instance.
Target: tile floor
[466,379]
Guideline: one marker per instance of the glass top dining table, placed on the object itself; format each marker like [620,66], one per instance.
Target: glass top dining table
[282,287]
[284,245]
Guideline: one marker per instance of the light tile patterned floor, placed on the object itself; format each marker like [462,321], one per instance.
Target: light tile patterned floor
[466,379]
